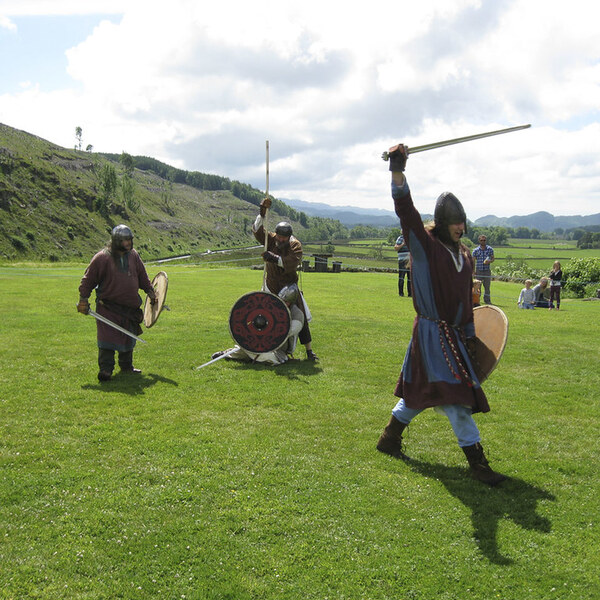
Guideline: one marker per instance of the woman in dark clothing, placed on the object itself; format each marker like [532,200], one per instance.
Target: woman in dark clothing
[542,293]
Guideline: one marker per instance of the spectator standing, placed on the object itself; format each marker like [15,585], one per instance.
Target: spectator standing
[484,257]
[555,276]
[403,265]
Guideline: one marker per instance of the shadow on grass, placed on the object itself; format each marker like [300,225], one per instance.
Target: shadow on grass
[129,384]
[292,369]
[513,499]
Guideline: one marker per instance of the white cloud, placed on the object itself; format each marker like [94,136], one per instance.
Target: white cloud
[331,85]
[6,23]
[30,8]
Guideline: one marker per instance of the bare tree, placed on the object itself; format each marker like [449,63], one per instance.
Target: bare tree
[78,134]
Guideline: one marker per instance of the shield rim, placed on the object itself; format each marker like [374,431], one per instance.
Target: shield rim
[152,312]
[502,346]
[266,293]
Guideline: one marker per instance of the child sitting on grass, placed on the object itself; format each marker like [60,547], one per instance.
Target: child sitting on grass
[527,296]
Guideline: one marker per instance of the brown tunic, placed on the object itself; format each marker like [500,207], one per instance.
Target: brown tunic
[291,257]
[117,280]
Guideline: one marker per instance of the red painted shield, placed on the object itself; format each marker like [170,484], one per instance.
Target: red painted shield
[260,322]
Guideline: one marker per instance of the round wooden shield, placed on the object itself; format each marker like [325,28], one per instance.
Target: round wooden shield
[152,311]
[491,331]
[260,322]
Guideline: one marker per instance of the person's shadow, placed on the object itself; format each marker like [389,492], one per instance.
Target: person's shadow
[512,499]
[296,368]
[128,383]
[292,369]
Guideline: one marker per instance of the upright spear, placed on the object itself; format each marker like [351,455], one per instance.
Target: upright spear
[265,228]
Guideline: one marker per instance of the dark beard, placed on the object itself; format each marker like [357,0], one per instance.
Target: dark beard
[119,248]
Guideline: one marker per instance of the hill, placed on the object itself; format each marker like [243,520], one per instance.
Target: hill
[49,205]
[542,220]
[347,215]
[352,215]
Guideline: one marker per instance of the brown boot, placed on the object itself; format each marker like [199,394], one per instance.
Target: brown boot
[390,441]
[480,468]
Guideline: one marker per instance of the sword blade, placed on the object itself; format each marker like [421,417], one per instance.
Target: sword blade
[210,362]
[466,138]
[115,326]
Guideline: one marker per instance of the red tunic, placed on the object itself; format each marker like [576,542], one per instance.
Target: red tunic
[117,280]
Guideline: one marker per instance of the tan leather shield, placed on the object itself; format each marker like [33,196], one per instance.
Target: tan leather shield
[260,322]
[152,311]
[491,330]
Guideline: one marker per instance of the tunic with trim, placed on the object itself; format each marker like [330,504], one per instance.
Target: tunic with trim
[437,369]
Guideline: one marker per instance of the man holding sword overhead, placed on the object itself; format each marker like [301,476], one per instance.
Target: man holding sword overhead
[117,273]
[438,370]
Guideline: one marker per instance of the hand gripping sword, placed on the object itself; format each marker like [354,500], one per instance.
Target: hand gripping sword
[114,325]
[460,140]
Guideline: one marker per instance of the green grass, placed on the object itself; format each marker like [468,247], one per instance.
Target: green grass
[377,254]
[241,482]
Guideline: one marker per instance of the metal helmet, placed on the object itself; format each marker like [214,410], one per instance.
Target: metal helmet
[283,228]
[289,293]
[118,234]
[449,211]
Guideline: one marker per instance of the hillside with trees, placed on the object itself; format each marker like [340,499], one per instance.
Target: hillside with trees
[60,204]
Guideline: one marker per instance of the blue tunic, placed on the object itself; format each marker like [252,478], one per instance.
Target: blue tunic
[436,368]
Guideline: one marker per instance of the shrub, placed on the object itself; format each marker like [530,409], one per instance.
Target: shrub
[18,243]
[516,269]
[582,276]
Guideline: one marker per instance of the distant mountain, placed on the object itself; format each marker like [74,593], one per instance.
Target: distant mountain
[347,215]
[542,220]
[352,215]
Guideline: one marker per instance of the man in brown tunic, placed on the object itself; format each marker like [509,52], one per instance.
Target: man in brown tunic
[116,273]
[282,258]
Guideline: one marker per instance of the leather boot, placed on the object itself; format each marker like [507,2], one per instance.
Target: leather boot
[390,441]
[480,468]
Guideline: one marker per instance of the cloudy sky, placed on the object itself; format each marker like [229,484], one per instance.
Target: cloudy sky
[330,84]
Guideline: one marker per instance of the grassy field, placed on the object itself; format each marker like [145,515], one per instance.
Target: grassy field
[243,482]
[378,254]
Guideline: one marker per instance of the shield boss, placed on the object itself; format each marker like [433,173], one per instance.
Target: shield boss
[260,322]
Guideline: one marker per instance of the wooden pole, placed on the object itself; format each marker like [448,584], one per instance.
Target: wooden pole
[265,220]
